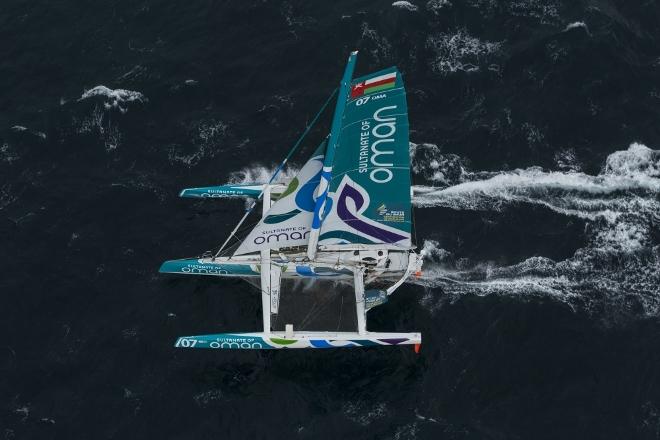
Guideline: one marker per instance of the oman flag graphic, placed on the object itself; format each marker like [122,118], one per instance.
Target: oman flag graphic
[375,84]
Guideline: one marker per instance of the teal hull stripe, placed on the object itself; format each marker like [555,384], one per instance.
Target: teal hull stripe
[194,267]
[226,341]
[222,191]
[248,341]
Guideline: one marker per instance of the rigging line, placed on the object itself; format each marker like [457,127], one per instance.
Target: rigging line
[278,169]
[308,317]
[238,239]
[412,208]
[341,309]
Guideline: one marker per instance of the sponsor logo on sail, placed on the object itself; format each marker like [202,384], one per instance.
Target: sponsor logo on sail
[378,154]
[282,235]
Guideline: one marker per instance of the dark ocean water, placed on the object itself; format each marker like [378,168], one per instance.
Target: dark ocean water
[535,130]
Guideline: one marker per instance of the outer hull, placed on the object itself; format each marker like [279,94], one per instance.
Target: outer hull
[229,191]
[277,340]
[326,265]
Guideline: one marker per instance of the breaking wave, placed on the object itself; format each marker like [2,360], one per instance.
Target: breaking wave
[406,5]
[577,25]
[117,98]
[620,262]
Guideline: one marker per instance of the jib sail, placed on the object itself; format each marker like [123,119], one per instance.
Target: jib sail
[288,221]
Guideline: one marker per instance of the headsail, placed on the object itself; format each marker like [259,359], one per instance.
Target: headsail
[289,219]
[369,194]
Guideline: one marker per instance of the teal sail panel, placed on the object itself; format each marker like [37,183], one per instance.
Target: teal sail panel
[369,192]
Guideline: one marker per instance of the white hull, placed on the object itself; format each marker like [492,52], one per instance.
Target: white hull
[279,340]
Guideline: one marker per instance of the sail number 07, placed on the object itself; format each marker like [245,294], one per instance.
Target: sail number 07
[183,342]
[365,99]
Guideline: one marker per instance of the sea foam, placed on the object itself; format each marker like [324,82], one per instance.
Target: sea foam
[620,264]
[402,4]
[117,98]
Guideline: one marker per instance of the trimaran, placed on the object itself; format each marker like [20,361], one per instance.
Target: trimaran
[347,215]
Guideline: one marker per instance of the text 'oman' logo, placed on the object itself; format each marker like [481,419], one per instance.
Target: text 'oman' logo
[384,131]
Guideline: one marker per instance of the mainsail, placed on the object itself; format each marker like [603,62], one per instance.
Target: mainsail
[288,221]
[369,193]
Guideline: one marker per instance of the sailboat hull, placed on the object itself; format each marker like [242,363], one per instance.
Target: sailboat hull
[252,269]
[328,265]
[279,340]
[201,266]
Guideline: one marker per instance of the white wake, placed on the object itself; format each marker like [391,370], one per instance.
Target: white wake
[621,205]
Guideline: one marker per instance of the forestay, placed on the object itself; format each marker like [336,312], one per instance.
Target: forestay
[369,193]
[288,221]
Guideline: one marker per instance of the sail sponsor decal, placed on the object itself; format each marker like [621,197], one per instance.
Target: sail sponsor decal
[287,223]
[261,341]
[280,235]
[353,217]
[390,213]
[369,192]
[348,223]
[382,144]
[372,85]
[199,267]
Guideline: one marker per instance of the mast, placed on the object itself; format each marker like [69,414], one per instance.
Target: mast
[265,269]
[358,280]
[326,174]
